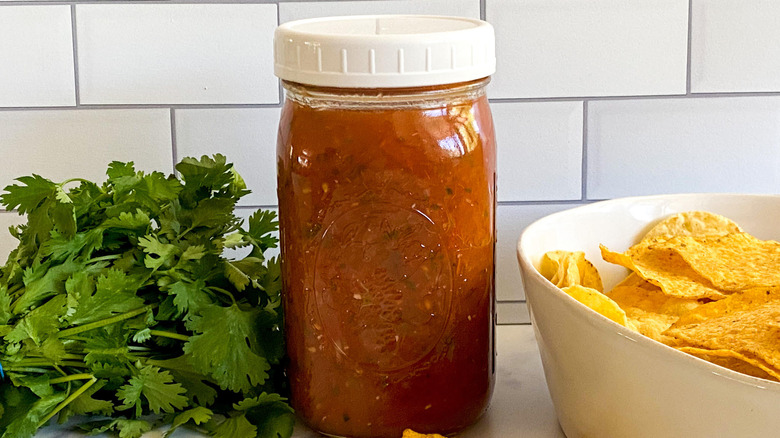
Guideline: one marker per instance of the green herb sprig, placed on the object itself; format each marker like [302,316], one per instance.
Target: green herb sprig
[120,312]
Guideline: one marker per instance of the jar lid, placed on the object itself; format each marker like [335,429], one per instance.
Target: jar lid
[384,51]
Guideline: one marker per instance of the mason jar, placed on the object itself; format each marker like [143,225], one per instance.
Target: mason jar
[386,186]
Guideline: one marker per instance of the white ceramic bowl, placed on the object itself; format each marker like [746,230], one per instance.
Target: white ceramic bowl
[607,381]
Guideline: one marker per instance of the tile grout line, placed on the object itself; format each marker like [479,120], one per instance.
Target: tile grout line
[280,97]
[80,106]
[174,149]
[76,84]
[689,54]
[584,168]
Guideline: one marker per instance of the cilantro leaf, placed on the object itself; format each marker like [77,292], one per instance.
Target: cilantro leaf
[138,220]
[126,428]
[225,347]
[60,246]
[29,196]
[115,293]
[206,172]
[39,323]
[106,347]
[157,387]
[242,272]
[47,279]
[117,170]
[237,426]
[86,404]
[5,305]
[25,426]
[197,415]
[260,233]
[197,385]
[189,296]
[158,253]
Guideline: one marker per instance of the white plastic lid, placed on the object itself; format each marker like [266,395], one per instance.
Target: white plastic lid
[384,51]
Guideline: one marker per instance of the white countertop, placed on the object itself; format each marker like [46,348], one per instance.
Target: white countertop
[521,405]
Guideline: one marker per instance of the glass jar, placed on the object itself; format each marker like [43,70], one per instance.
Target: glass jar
[387,212]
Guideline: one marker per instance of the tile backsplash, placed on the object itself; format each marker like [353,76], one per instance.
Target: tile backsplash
[592,99]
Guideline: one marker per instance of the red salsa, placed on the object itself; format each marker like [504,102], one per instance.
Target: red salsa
[387,211]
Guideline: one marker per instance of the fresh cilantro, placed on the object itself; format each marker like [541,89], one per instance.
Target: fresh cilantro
[225,347]
[237,426]
[198,415]
[157,387]
[119,311]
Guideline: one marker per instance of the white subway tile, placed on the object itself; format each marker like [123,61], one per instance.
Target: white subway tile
[176,53]
[511,220]
[735,46]
[289,11]
[638,147]
[61,144]
[7,241]
[247,137]
[539,150]
[36,56]
[512,313]
[555,48]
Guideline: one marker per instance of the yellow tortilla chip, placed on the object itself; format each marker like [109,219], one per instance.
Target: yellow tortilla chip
[635,280]
[745,323]
[664,268]
[409,433]
[693,223]
[567,268]
[698,283]
[733,262]
[599,302]
[648,308]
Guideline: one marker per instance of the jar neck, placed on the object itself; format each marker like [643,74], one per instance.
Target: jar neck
[375,98]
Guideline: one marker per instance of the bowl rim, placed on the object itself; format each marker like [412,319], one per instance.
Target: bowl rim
[596,319]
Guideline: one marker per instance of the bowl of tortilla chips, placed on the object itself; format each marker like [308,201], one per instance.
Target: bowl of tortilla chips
[659,316]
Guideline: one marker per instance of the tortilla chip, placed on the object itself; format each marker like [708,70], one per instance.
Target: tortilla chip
[693,223]
[635,280]
[664,268]
[650,310]
[745,323]
[409,433]
[598,302]
[732,262]
[567,268]
[698,283]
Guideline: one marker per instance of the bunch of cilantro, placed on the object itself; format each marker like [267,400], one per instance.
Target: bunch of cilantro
[120,312]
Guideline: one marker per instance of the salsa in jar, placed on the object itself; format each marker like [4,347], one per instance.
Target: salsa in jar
[387,213]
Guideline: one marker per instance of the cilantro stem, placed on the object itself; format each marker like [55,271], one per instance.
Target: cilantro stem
[105,257]
[71,378]
[15,289]
[104,322]
[59,370]
[169,335]
[219,289]
[66,356]
[67,181]
[67,401]
[45,363]
[25,369]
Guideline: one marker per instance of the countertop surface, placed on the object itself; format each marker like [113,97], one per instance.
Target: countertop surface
[521,405]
